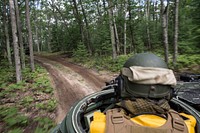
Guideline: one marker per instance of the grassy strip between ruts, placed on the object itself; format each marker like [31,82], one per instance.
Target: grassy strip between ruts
[28,106]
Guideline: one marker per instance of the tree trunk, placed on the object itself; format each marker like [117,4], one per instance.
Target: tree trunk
[98,10]
[5,23]
[15,42]
[78,18]
[49,34]
[104,5]
[176,33]
[56,40]
[147,25]
[125,10]
[116,35]
[19,28]
[36,36]
[87,29]
[30,38]
[155,16]
[130,27]
[36,30]
[164,12]
[112,32]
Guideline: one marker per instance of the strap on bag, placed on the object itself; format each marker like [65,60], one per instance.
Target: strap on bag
[177,122]
[117,122]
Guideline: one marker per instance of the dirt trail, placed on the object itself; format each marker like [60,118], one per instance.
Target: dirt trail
[71,82]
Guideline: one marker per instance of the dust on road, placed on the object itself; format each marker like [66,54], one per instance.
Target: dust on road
[71,82]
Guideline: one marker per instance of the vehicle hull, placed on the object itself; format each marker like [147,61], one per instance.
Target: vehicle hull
[77,120]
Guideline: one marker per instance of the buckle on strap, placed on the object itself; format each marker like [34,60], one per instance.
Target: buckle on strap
[178,124]
[177,121]
[117,118]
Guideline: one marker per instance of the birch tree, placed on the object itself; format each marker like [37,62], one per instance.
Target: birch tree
[147,13]
[49,33]
[125,10]
[176,33]
[21,44]
[116,35]
[112,32]
[164,13]
[36,29]
[15,42]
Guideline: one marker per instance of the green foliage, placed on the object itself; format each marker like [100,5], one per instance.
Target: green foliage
[81,53]
[107,63]
[116,65]
[12,118]
[8,111]
[26,101]
[187,48]
[63,30]
[47,89]
[49,106]
[19,85]
[42,84]
[44,125]
[101,40]
[16,130]
[16,97]
[189,27]
[188,61]
[7,74]
[40,79]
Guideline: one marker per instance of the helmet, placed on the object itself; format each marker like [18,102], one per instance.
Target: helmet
[147,90]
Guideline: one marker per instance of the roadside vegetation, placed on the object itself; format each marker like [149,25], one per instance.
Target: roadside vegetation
[188,63]
[27,106]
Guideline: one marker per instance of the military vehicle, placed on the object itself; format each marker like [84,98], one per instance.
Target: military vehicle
[186,99]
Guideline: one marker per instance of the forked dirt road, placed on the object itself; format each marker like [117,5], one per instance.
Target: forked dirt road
[71,82]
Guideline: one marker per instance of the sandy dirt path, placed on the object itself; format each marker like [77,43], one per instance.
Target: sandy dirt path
[71,82]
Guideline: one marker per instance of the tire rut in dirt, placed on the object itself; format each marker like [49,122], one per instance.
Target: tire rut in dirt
[64,92]
[84,72]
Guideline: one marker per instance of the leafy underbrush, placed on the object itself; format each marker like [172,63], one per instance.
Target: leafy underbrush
[189,62]
[27,106]
[103,63]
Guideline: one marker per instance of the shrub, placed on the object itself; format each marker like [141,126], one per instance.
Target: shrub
[80,54]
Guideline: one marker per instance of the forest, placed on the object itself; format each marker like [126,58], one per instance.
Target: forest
[96,32]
